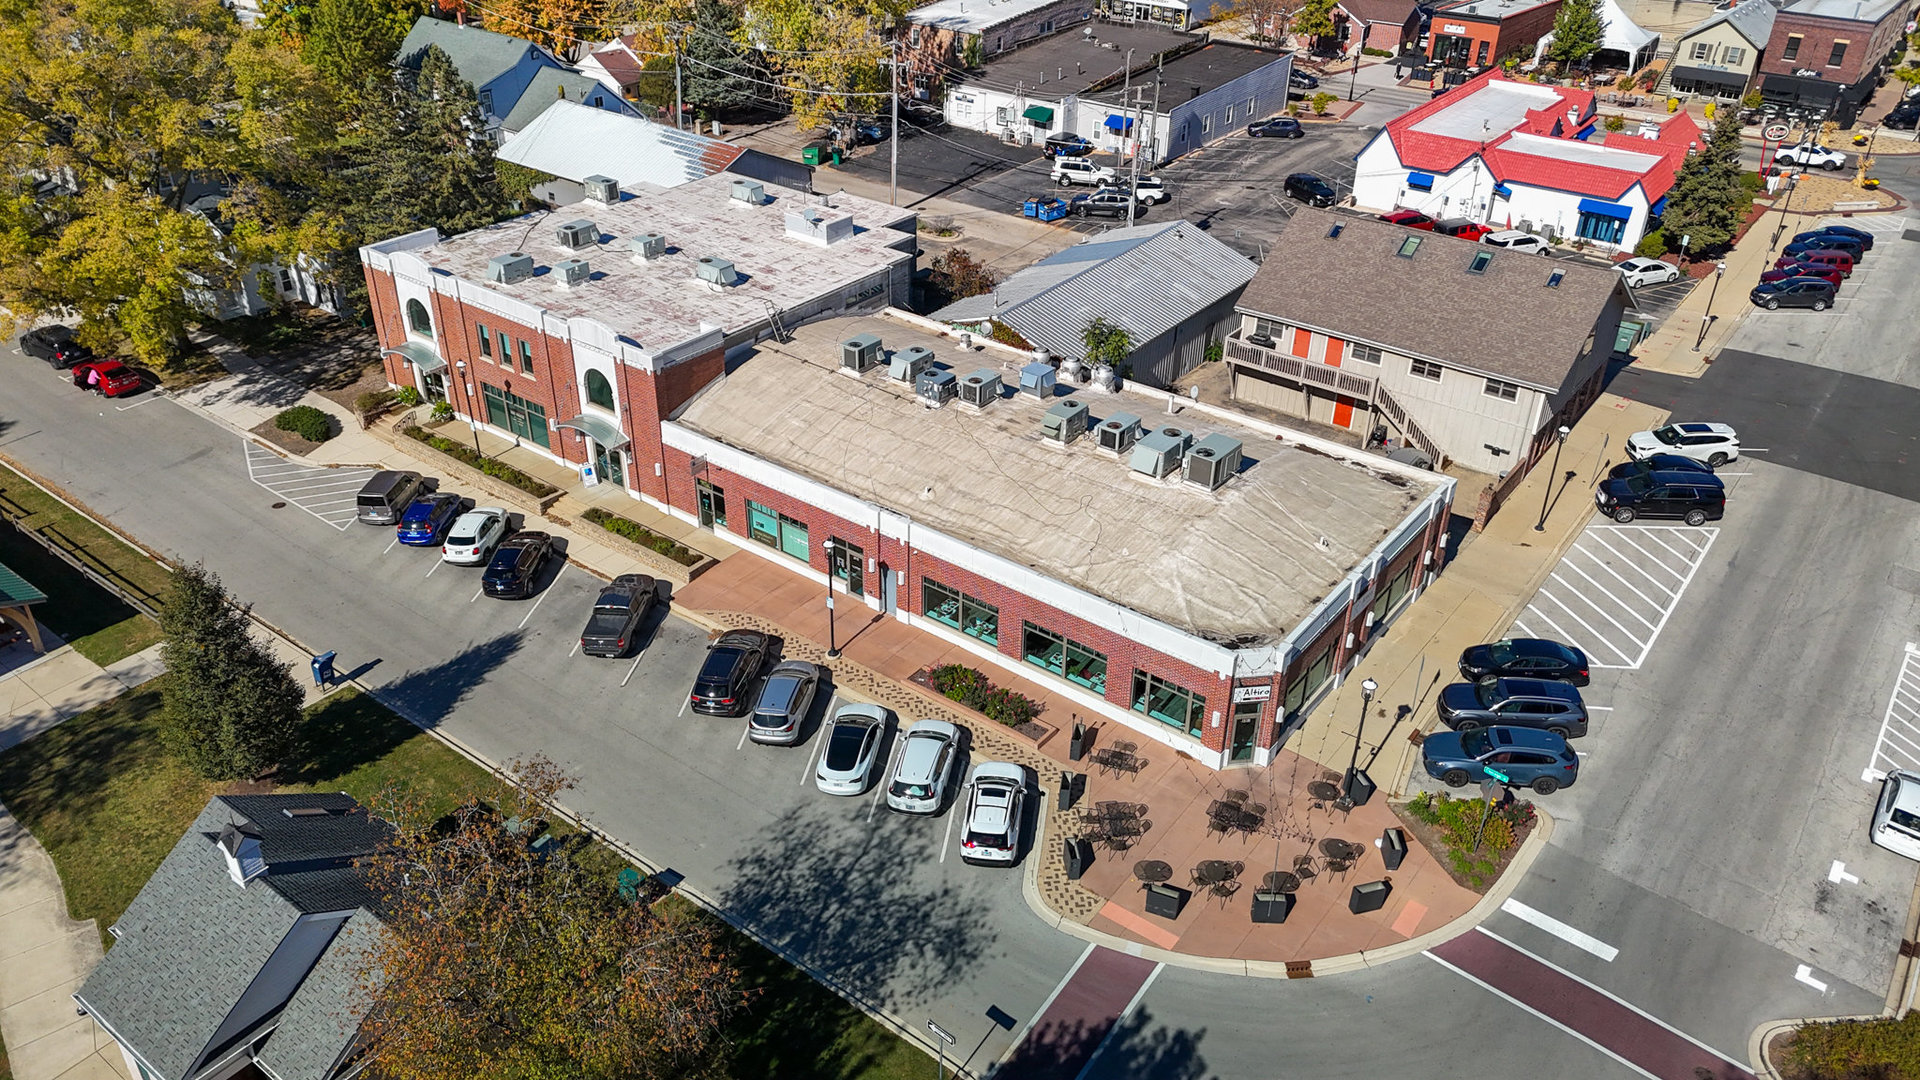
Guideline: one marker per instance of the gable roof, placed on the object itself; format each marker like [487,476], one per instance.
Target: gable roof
[1505,322]
[1751,19]
[480,56]
[576,141]
[620,61]
[550,87]
[201,964]
[1380,11]
[1146,279]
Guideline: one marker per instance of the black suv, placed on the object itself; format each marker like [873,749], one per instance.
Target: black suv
[516,565]
[1534,703]
[1311,190]
[1528,658]
[1106,202]
[1694,498]
[55,345]
[734,660]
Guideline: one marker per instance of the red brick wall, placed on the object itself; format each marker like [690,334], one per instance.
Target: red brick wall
[648,400]
[1504,37]
[1865,44]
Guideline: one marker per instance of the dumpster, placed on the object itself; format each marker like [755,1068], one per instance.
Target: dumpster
[1044,208]
[811,155]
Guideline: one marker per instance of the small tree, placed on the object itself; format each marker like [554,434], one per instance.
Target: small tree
[1321,101]
[957,275]
[1314,20]
[720,75]
[1577,33]
[1266,20]
[230,709]
[1106,343]
[1707,201]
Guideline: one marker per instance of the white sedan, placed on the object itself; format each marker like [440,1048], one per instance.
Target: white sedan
[474,535]
[1712,445]
[1639,273]
[853,742]
[1811,155]
[1896,821]
[1516,240]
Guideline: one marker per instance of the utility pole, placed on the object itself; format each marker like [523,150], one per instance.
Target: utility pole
[893,124]
[1126,101]
[1153,121]
[678,109]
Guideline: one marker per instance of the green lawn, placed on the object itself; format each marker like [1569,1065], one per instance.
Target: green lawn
[97,623]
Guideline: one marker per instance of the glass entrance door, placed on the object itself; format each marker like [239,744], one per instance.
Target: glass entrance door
[850,564]
[607,464]
[436,384]
[1246,728]
[713,505]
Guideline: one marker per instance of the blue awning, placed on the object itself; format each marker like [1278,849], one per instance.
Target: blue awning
[1605,209]
[1503,191]
[1420,181]
[1119,123]
[1659,207]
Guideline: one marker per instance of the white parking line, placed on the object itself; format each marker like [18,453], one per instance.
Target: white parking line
[326,493]
[880,788]
[1804,974]
[1615,589]
[636,662]
[947,840]
[1577,938]
[684,702]
[391,544]
[743,738]
[544,593]
[575,649]
[806,774]
[1898,744]
[476,593]
[437,564]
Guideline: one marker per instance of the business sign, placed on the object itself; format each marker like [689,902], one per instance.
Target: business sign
[1244,694]
[1774,132]
[1453,28]
[697,465]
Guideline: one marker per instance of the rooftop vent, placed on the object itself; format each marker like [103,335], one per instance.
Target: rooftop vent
[1213,461]
[240,844]
[936,387]
[510,268]
[981,389]
[647,246]
[909,363]
[819,225]
[577,234]
[1158,453]
[752,192]
[1064,422]
[1118,432]
[716,270]
[603,189]
[1038,379]
[860,354]
[572,272]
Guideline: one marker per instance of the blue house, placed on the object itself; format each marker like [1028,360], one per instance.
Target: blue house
[515,79]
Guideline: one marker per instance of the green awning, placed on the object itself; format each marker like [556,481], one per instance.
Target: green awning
[16,590]
[419,356]
[1039,114]
[605,432]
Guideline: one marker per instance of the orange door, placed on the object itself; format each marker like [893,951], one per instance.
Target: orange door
[1343,412]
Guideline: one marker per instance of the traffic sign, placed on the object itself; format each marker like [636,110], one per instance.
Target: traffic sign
[1497,775]
[941,1033]
[1493,791]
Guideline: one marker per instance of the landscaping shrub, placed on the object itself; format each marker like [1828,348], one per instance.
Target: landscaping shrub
[1371,51]
[1321,101]
[376,402]
[1651,246]
[407,396]
[640,534]
[1615,122]
[968,687]
[1857,1048]
[499,470]
[307,422]
[442,411]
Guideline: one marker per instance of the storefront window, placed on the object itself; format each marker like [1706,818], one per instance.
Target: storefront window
[1312,677]
[599,390]
[972,617]
[417,320]
[763,524]
[793,538]
[511,412]
[1169,703]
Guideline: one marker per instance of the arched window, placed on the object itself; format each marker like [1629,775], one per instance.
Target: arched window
[599,391]
[417,319]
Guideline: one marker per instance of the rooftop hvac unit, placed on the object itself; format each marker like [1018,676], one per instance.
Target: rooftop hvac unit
[752,192]
[577,234]
[1119,432]
[1213,461]
[647,246]
[509,268]
[602,189]
[716,270]
[1037,379]
[936,387]
[1064,422]
[1158,453]
[572,272]
[981,389]
[860,354]
[910,362]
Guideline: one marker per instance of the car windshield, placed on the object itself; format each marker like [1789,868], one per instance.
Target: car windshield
[1906,822]
[504,560]
[1501,652]
[843,749]
[719,665]
[987,839]
[911,791]
[1487,692]
[1637,485]
[1669,435]
[1475,743]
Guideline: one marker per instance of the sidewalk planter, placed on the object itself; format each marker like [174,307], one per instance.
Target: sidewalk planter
[446,455]
[1369,896]
[678,564]
[968,689]
[1166,901]
[1272,907]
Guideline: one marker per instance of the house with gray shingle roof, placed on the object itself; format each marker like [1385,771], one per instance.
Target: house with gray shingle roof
[550,86]
[1718,56]
[1170,286]
[244,947]
[501,68]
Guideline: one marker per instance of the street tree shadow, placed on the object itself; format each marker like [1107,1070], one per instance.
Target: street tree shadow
[426,695]
[1136,1047]
[845,904]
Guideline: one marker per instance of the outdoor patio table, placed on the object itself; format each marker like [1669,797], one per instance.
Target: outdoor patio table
[1152,872]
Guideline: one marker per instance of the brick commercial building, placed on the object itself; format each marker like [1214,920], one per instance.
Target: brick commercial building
[1482,33]
[1828,55]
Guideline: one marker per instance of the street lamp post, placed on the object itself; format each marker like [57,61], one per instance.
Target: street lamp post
[833,644]
[1719,271]
[1353,77]
[1793,181]
[1541,525]
[1367,688]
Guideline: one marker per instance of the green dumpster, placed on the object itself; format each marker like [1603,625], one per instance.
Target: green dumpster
[810,155]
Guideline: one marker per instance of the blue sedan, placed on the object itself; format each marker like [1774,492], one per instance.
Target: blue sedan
[1527,757]
[427,519]
[1858,236]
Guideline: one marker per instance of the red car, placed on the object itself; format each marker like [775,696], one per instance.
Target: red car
[1800,269]
[109,377]
[1462,228]
[1412,219]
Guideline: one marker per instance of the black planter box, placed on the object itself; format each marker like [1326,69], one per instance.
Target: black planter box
[1272,907]
[1079,856]
[1166,901]
[1077,746]
[1369,896]
[1359,787]
[1393,847]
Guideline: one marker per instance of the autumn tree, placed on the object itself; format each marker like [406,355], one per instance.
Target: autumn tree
[1266,20]
[831,58]
[1314,20]
[229,708]
[500,960]
[957,275]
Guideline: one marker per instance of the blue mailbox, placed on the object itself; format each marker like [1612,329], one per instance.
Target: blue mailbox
[323,669]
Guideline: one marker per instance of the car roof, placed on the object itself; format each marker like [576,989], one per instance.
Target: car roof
[997,770]
[1525,738]
[1506,234]
[860,713]
[1640,264]
[642,582]
[1686,478]
[1698,427]
[796,668]
[739,639]
[1540,688]
[1906,790]
[923,745]
[781,688]
[1527,646]
[525,538]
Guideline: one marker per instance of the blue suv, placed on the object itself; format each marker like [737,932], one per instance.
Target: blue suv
[1540,760]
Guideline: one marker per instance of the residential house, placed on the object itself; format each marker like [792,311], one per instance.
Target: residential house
[1519,154]
[1718,57]
[262,286]
[501,68]
[1482,33]
[551,87]
[1472,353]
[573,142]
[1828,55]
[1170,286]
[244,949]
[1174,14]
[617,65]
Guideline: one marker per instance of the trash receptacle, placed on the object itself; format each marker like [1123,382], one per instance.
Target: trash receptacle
[836,155]
[810,155]
[323,669]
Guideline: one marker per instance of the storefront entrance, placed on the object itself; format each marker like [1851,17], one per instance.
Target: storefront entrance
[607,463]
[713,505]
[849,565]
[436,385]
[1246,729]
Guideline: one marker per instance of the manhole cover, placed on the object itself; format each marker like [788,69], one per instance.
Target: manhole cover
[278,506]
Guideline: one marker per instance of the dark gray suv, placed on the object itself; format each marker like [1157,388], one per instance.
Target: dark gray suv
[1533,703]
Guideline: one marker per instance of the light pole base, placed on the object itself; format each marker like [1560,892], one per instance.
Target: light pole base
[833,654]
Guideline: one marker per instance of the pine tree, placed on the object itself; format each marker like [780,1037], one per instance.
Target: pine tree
[1577,32]
[230,709]
[719,76]
[1707,200]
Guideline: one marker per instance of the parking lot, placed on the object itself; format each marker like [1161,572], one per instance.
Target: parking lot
[1614,590]
[1898,744]
[323,492]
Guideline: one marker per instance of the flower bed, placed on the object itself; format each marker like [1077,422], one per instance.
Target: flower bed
[971,688]
[1447,826]
[466,455]
[645,537]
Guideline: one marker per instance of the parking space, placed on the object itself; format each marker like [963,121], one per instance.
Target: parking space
[325,493]
[1658,302]
[1614,590]
[1898,744]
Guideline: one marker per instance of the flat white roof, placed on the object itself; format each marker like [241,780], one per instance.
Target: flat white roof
[1491,111]
[1581,153]
[973,16]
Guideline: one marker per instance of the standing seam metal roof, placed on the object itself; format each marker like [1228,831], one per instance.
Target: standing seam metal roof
[16,590]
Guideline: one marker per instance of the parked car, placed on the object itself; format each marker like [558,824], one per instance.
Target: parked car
[1300,80]
[108,377]
[1896,818]
[1708,443]
[925,769]
[1837,261]
[474,535]
[1412,219]
[1858,236]
[920,117]
[1802,292]
[1515,240]
[1065,144]
[996,797]
[515,566]
[1311,190]
[779,717]
[1461,227]
[1657,463]
[1532,703]
[1811,155]
[386,495]
[1904,116]
[1801,270]
[1073,170]
[427,518]
[55,345]
[1151,190]
[1639,273]
[733,661]
[614,624]
[853,741]
[1280,127]
[1540,760]
[1526,658]
[1694,498]
[1105,202]
[1827,242]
